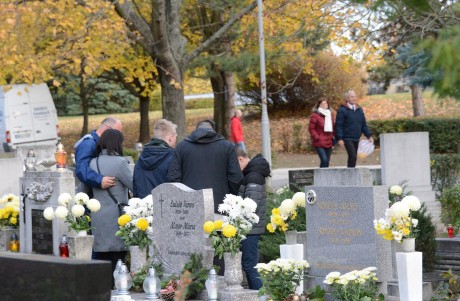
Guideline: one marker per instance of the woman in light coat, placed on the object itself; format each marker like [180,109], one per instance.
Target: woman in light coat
[109,161]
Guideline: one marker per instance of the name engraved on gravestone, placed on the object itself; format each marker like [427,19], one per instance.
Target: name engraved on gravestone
[340,233]
[178,216]
[42,233]
[298,179]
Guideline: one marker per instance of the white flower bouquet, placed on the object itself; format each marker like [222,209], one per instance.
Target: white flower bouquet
[76,220]
[354,285]
[135,226]
[398,222]
[234,227]
[281,277]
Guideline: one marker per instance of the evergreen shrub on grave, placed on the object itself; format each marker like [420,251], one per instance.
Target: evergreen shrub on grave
[450,206]
[443,131]
[445,172]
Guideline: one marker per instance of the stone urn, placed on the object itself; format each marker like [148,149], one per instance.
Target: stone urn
[233,274]
[138,258]
[80,246]
[291,237]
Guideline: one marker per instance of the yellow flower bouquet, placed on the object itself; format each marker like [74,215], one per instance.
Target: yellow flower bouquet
[227,234]
[398,222]
[135,226]
[284,217]
[9,211]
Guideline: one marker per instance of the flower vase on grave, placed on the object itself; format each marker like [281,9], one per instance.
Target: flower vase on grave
[138,258]
[291,237]
[233,274]
[80,247]
[406,245]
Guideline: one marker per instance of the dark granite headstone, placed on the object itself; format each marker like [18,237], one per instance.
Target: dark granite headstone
[42,233]
[299,178]
[25,277]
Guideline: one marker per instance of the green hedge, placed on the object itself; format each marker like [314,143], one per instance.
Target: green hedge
[444,132]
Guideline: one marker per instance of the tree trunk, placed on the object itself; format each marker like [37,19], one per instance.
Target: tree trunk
[84,105]
[219,89]
[231,95]
[417,100]
[172,97]
[144,124]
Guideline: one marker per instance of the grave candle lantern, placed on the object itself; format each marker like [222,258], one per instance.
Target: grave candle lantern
[61,157]
[123,281]
[152,285]
[212,285]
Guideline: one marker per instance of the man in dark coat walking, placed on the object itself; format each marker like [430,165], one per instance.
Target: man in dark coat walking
[205,159]
[350,123]
[151,169]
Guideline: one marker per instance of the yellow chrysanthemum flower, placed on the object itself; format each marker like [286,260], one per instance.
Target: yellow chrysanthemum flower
[270,228]
[406,231]
[278,220]
[284,227]
[124,219]
[218,224]
[142,224]
[229,231]
[276,211]
[294,215]
[13,220]
[208,227]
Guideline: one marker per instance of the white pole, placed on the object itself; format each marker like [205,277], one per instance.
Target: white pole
[265,124]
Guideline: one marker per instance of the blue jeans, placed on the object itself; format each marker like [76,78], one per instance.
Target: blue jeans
[250,257]
[324,156]
[240,145]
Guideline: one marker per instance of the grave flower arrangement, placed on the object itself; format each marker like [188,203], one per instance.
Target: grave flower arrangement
[354,285]
[9,211]
[280,277]
[72,210]
[135,226]
[228,233]
[398,223]
[284,218]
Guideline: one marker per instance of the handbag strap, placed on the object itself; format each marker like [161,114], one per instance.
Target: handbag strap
[108,189]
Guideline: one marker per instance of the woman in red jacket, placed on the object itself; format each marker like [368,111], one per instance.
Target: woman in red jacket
[321,130]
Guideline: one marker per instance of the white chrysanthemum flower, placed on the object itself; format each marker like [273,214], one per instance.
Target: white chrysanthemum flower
[287,207]
[81,198]
[371,269]
[78,210]
[224,208]
[399,210]
[299,199]
[64,199]
[412,202]
[414,222]
[61,212]
[93,205]
[396,189]
[48,213]
[397,235]
[3,200]
[134,202]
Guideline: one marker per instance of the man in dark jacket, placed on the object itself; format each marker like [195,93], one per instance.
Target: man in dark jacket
[255,171]
[205,159]
[151,169]
[350,123]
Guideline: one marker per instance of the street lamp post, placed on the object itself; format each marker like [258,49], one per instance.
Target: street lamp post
[265,124]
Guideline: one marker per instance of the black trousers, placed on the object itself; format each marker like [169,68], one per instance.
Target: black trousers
[352,151]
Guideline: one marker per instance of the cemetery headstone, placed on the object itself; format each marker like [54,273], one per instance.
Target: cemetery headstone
[299,178]
[38,277]
[406,157]
[39,190]
[340,231]
[178,216]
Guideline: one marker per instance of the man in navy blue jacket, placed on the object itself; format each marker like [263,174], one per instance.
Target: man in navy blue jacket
[151,169]
[85,150]
[350,123]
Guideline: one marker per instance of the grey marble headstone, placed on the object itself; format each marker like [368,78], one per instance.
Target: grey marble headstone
[340,231]
[178,216]
[39,190]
